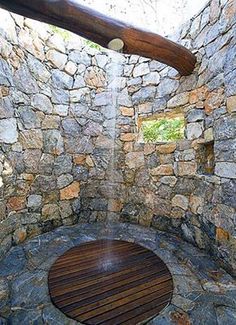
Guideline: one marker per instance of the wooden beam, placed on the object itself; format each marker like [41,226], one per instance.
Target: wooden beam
[101,29]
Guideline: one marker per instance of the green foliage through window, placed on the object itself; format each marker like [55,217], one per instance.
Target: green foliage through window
[163,130]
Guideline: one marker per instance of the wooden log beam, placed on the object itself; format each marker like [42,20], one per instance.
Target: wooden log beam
[101,29]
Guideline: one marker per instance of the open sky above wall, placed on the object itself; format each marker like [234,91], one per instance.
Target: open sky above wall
[163,17]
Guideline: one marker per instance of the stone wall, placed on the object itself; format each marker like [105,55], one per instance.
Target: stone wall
[69,124]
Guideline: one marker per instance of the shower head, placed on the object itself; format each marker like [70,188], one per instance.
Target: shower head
[116,44]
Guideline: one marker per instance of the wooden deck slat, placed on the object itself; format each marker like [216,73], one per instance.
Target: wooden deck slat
[100,279]
[69,273]
[101,301]
[86,276]
[110,282]
[90,291]
[83,264]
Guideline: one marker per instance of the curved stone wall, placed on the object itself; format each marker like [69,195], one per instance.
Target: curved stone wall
[57,122]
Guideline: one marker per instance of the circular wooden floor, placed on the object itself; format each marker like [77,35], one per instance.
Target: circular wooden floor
[110,282]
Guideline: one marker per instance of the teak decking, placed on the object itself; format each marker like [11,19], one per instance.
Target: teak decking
[110,282]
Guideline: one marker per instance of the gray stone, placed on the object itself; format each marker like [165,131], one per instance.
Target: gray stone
[8,130]
[44,183]
[45,165]
[230,61]
[79,110]
[31,160]
[225,169]
[78,145]
[167,87]
[225,128]
[24,81]
[25,316]
[56,42]
[141,70]
[19,97]
[16,160]
[101,60]
[80,57]
[71,127]
[212,33]
[5,74]
[153,78]
[64,180]
[13,263]
[169,180]
[80,95]
[228,193]
[230,83]
[185,186]
[92,129]
[28,118]
[42,103]
[30,290]
[178,100]
[50,314]
[187,83]
[61,80]
[144,94]
[61,110]
[80,173]
[53,142]
[34,201]
[60,96]
[63,164]
[134,85]
[185,155]
[4,296]
[180,201]
[124,98]
[6,108]
[159,104]
[102,99]
[195,115]
[38,69]
[225,150]
[153,161]
[56,58]
[194,130]
[79,82]
[98,204]
[226,315]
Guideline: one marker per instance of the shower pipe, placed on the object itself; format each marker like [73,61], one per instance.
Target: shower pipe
[105,31]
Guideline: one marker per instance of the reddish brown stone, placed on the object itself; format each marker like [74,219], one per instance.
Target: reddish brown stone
[79,159]
[70,192]
[231,104]
[114,205]
[180,318]
[198,95]
[213,100]
[162,170]
[16,203]
[127,111]
[126,137]
[166,148]
[221,234]
[187,168]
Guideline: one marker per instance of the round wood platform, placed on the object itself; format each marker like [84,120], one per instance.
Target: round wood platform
[110,282]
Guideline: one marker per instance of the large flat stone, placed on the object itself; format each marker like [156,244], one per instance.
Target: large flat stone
[8,130]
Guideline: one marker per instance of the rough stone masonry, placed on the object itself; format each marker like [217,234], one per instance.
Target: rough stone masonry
[56,135]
